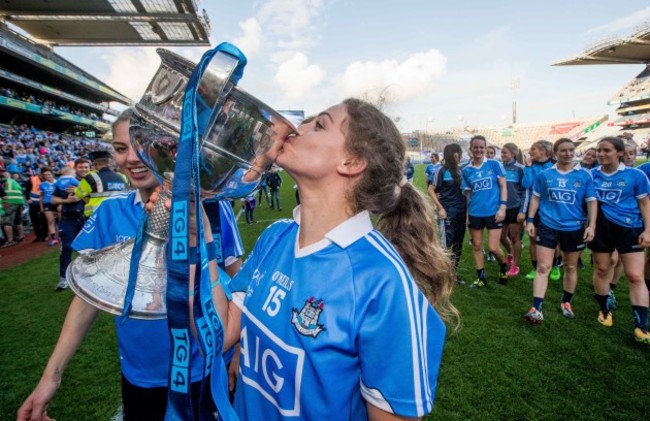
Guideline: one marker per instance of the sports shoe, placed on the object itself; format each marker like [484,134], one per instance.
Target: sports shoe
[611,300]
[513,271]
[490,257]
[503,278]
[63,284]
[567,311]
[9,244]
[460,281]
[605,321]
[531,274]
[642,336]
[53,243]
[509,259]
[479,283]
[556,274]
[534,316]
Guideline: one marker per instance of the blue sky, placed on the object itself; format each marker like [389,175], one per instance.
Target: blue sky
[442,63]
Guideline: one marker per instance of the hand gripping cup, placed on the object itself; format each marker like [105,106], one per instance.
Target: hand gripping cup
[235,131]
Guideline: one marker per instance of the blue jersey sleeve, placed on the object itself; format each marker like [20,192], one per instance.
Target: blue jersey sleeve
[538,185]
[405,384]
[591,189]
[641,187]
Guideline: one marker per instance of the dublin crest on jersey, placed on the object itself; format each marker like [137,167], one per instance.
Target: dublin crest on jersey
[306,320]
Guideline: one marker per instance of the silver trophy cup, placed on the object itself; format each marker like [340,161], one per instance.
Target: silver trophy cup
[235,131]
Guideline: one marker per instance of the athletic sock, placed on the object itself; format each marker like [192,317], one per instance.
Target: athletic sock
[640,317]
[567,296]
[481,274]
[534,263]
[602,302]
[538,303]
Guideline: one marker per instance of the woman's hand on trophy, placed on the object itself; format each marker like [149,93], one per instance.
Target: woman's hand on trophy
[269,151]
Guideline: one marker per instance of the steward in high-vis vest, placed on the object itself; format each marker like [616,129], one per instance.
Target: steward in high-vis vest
[99,184]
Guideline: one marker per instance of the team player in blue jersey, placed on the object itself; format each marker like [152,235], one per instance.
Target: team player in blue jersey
[144,345]
[334,317]
[447,194]
[515,216]
[487,199]
[539,159]
[623,225]
[559,194]
[431,169]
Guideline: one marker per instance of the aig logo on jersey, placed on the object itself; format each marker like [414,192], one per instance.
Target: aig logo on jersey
[271,366]
[607,195]
[482,184]
[562,196]
[306,320]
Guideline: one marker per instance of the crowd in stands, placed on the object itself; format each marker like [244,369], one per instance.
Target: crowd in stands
[47,104]
[25,149]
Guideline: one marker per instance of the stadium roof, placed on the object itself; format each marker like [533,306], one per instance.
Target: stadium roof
[631,50]
[109,22]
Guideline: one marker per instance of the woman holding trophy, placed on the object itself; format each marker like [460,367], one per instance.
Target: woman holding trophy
[144,345]
[333,316]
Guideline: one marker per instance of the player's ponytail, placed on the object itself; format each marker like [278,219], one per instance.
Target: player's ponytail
[404,215]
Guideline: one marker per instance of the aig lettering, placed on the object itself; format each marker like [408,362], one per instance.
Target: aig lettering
[564,196]
[268,362]
[482,184]
[605,195]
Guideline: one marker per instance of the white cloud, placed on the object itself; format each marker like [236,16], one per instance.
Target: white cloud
[251,40]
[289,25]
[414,77]
[129,70]
[624,24]
[296,77]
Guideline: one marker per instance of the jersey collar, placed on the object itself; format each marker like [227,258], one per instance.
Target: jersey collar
[574,168]
[137,200]
[348,231]
[621,167]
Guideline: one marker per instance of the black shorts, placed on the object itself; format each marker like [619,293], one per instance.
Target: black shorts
[569,241]
[511,216]
[611,236]
[48,207]
[480,222]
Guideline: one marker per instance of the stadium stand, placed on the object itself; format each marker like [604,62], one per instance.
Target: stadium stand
[40,88]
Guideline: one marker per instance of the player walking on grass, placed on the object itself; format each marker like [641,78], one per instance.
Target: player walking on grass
[515,216]
[487,199]
[539,159]
[558,195]
[623,225]
[447,195]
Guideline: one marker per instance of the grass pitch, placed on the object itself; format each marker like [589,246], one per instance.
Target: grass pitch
[496,367]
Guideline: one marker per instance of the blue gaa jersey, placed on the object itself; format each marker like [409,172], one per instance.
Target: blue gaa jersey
[516,192]
[143,344]
[431,171]
[332,326]
[47,189]
[484,185]
[561,197]
[619,193]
